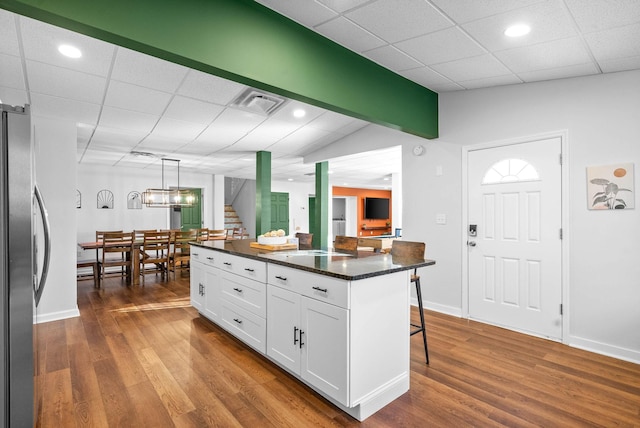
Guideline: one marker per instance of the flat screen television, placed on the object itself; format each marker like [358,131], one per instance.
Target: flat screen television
[376,208]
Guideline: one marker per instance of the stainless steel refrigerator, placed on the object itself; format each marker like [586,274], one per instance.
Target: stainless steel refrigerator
[24,254]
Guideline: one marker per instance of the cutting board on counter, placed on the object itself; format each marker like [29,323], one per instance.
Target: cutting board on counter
[273,247]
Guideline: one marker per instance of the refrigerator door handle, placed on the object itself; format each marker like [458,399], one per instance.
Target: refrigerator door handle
[47,245]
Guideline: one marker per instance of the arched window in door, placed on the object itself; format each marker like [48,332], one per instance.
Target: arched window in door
[509,171]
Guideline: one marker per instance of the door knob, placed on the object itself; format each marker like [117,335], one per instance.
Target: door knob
[471,243]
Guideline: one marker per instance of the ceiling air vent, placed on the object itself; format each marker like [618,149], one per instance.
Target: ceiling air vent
[257,102]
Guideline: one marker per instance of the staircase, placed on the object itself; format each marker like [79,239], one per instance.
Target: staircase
[231,218]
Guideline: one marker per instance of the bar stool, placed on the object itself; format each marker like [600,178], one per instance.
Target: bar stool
[405,252]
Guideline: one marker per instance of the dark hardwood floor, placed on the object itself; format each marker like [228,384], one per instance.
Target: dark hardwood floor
[142,357]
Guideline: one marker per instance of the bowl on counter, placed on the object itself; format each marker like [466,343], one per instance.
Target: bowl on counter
[272,240]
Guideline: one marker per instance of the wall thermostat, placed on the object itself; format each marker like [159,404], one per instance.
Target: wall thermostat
[418,150]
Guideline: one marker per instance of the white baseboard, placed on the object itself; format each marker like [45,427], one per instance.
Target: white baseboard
[625,354]
[56,316]
[448,310]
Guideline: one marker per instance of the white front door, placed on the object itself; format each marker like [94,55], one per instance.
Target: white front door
[514,261]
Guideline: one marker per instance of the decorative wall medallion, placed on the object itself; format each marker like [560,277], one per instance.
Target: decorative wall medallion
[105,200]
[134,201]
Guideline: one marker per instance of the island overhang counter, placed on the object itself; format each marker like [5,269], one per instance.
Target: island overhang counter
[337,321]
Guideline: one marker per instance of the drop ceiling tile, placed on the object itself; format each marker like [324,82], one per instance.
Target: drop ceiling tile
[306,13]
[616,43]
[197,148]
[116,138]
[508,79]
[11,72]
[392,58]
[596,15]
[112,117]
[207,87]
[64,83]
[469,10]
[229,127]
[441,46]
[334,122]
[559,53]
[191,110]
[145,70]
[136,98]
[41,43]
[159,145]
[477,67]
[177,130]
[275,129]
[285,112]
[253,142]
[342,5]
[393,22]
[611,66]
[65,109]
[8,34]
[445,87]
[426,77]
[548,22]
[349,35]
[560,72]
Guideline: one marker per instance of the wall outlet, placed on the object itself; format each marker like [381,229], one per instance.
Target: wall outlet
[441,219]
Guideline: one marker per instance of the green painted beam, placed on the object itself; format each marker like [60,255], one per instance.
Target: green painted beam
[243,41]
[263,192]
[321,229]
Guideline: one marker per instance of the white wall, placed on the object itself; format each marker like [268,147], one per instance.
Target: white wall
[298,203]
[121,181]
[55,154]
[601,115]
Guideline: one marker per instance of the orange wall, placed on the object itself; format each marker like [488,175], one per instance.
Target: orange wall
[366,193]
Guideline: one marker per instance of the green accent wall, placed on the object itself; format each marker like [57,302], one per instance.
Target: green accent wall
[321,225]
[243,41]
[263,192]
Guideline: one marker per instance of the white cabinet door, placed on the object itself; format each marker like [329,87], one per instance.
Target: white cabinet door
[283,327]
[325,348]
[197,285]
[212,293]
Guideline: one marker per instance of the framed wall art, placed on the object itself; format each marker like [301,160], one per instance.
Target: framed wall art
[611,187]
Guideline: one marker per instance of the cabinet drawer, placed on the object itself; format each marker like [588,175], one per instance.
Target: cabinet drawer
[248,327]
[245,293]
[243,266]
[319,287]
[205,256]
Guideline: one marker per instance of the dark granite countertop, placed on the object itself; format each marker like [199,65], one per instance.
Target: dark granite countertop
[348,266]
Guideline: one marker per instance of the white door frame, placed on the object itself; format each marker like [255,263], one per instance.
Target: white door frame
[565,195]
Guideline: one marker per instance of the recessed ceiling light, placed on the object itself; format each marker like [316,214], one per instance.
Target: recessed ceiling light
[299,113]
[517,30]
[289,179]
[69,51]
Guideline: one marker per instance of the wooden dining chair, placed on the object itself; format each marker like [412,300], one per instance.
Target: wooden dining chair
[202,234]
[100,237]
[406,252]
[240,233]
[345,243]
[138,234]
[304,240]
[155,250]
[229,233]
[117,250]
[180,253]
[217,234]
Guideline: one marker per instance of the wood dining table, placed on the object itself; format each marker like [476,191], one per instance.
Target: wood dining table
[134,276]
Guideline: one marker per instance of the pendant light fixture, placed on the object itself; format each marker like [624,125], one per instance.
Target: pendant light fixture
[166,198]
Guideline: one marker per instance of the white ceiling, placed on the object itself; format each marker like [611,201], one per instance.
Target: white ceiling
[124,101]
[450,45]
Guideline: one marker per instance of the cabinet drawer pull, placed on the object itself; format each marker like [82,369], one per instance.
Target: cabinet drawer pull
[200,289]
[210,258]
[227,263]
[249,270]
[196,254]
[301,333]
[324,290]
[237,320]
[239,290]
[281,278]
[295,338]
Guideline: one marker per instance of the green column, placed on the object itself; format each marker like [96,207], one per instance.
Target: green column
[263,192]
[322,206]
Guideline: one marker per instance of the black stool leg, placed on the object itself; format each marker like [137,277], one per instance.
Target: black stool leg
[421,327]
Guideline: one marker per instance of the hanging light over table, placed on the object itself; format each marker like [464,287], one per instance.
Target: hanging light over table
[165,198]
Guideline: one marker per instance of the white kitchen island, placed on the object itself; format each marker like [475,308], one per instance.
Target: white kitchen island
[338,322]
